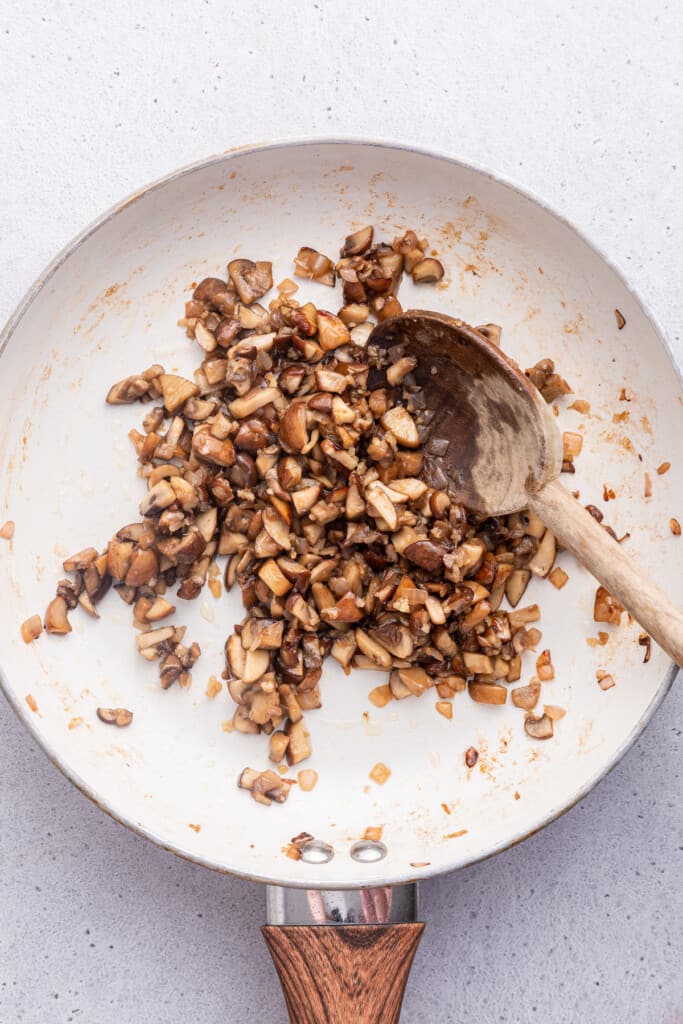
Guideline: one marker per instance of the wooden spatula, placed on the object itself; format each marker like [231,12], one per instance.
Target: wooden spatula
[494,441]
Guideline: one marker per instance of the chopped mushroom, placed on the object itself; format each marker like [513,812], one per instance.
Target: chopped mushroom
[558,577]
[251,280]
[56,620]
[265,787]
[31,629]
[307,779]
[120,717]
[427,271]
[541,563]
[605,680]
[487,693]
[538,728]
[7,530]
[311,264]
[471,757]
[607,608]
[296,452]
[380,773]
[358,242]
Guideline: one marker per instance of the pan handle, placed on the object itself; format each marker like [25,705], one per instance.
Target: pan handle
[335,972]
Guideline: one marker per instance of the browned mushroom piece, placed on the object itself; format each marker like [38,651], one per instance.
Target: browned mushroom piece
[516,585]
[491,331]
[265,787]
[80,561]
[299,746]
[251,280]
[538,728]
[312,265]
[128,390]
[358,242]
[427,271]
[487,693]
[120,717]
[56,619]
[526,696]
[176,390]
[607,608]
[212,291]
[31,629]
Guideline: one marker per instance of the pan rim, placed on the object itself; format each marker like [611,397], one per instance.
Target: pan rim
[32,294]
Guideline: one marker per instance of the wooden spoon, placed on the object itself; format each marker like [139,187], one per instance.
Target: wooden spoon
[494,441]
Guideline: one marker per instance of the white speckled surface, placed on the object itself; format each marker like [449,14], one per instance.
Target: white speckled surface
[580,102]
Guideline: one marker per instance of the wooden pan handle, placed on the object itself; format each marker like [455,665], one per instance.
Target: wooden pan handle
[577,531]
[339,974]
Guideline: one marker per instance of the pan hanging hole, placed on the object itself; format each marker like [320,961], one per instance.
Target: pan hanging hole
[317,852]
[367,851]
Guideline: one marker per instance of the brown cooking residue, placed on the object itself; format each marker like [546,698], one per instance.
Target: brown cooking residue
[195,828]
[308,779]
[380,773]
[7,530]
[624,396]
[621,320]
[445,708]
[456,835]
[574,326]
[605,680]
[581,406]
[608,493]
[663,468]
[120,717]
[74,723]
[31,701]
[374,833]
[380,696]
[647,488]
[213,687]
[645,641]
[621,417]
[675,527]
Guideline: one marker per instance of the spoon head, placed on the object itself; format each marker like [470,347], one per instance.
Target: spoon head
[493,439]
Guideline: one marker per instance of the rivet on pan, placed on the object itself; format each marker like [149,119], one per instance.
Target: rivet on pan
[367,851]
[317,852]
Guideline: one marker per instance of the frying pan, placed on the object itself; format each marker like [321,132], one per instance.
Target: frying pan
[107,306]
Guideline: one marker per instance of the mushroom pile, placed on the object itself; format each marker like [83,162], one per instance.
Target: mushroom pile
[296,454]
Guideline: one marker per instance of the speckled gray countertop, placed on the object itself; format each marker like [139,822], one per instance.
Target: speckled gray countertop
[580,102]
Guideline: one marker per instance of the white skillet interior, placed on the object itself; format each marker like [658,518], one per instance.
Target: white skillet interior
[68,480]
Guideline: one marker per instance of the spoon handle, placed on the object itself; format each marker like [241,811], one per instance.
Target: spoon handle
[577,531]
